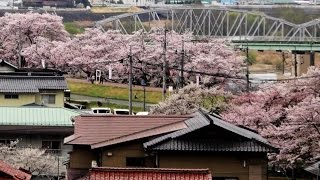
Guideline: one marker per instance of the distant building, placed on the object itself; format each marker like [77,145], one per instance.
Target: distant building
[200,140]
[21,87]
[39,127]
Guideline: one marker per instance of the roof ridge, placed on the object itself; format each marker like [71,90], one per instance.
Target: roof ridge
[127,135]
[172,135]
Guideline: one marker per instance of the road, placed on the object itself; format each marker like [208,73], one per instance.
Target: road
[115,101]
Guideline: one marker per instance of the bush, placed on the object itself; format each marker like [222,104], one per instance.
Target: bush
[252,57]
[267,61]
[72,28]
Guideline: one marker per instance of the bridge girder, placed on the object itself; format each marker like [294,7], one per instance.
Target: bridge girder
[217,22]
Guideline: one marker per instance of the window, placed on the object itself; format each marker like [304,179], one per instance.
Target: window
[11,96]
[104,111]
[135,162]
[51,145]
[6,141]
[49,98]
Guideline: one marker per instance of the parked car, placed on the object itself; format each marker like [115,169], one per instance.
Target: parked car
[101,111]
[121,111]
[142,113]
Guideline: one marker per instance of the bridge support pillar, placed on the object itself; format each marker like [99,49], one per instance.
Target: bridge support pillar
[302,61]
[311,58]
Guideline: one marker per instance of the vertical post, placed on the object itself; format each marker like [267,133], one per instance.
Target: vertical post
[247,73]
[164,76]
[130,82]
[283,61]
[19,47]
[311,58]
[182,66]
[295,64]
[144,98]
[58,168]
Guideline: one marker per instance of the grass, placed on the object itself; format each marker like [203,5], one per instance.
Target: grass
[73,28]
[97,90]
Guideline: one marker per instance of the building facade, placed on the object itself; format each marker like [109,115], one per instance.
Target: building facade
[200,141]
[38,127]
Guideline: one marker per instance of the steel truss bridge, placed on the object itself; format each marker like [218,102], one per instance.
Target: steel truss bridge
[238,25]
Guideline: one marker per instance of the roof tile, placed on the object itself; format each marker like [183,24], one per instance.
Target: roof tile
[212,146]
[149,174]
[97,129]
[31,84]
[15,173]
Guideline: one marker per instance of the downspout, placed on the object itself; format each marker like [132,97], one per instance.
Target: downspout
[157,160]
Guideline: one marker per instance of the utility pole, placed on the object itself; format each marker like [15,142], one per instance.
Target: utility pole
[19,47]
[295,64]
[247,73]
[182,66]
[130,82]
[164,76]
[58,168]
[283,62]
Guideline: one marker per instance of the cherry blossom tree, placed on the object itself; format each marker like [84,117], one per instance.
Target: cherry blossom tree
[190,98]
[35,160]
[19,31]
[101,50]
[287,114]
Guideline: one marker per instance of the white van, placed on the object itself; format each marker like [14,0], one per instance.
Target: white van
[142,113]
[101,111]
[121,111]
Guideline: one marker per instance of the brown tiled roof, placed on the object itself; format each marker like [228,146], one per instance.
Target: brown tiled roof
[149,174]
[99,131]
[15,173]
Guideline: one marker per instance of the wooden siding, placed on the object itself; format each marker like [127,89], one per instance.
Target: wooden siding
[81,157]
[220,164]
[122,151]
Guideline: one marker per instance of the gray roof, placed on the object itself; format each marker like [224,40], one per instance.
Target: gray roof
[314,168]
[253,141]
[31,84]
[211,145]
[197,122]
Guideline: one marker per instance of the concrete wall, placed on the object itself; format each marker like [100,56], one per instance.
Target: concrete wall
[59,98]
[32,98]
[22,100]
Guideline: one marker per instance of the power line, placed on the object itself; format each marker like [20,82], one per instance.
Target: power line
[106,62]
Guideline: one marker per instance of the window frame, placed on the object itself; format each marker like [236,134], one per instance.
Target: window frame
[51,144]
[136,159]
[11,96]
[48,94]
